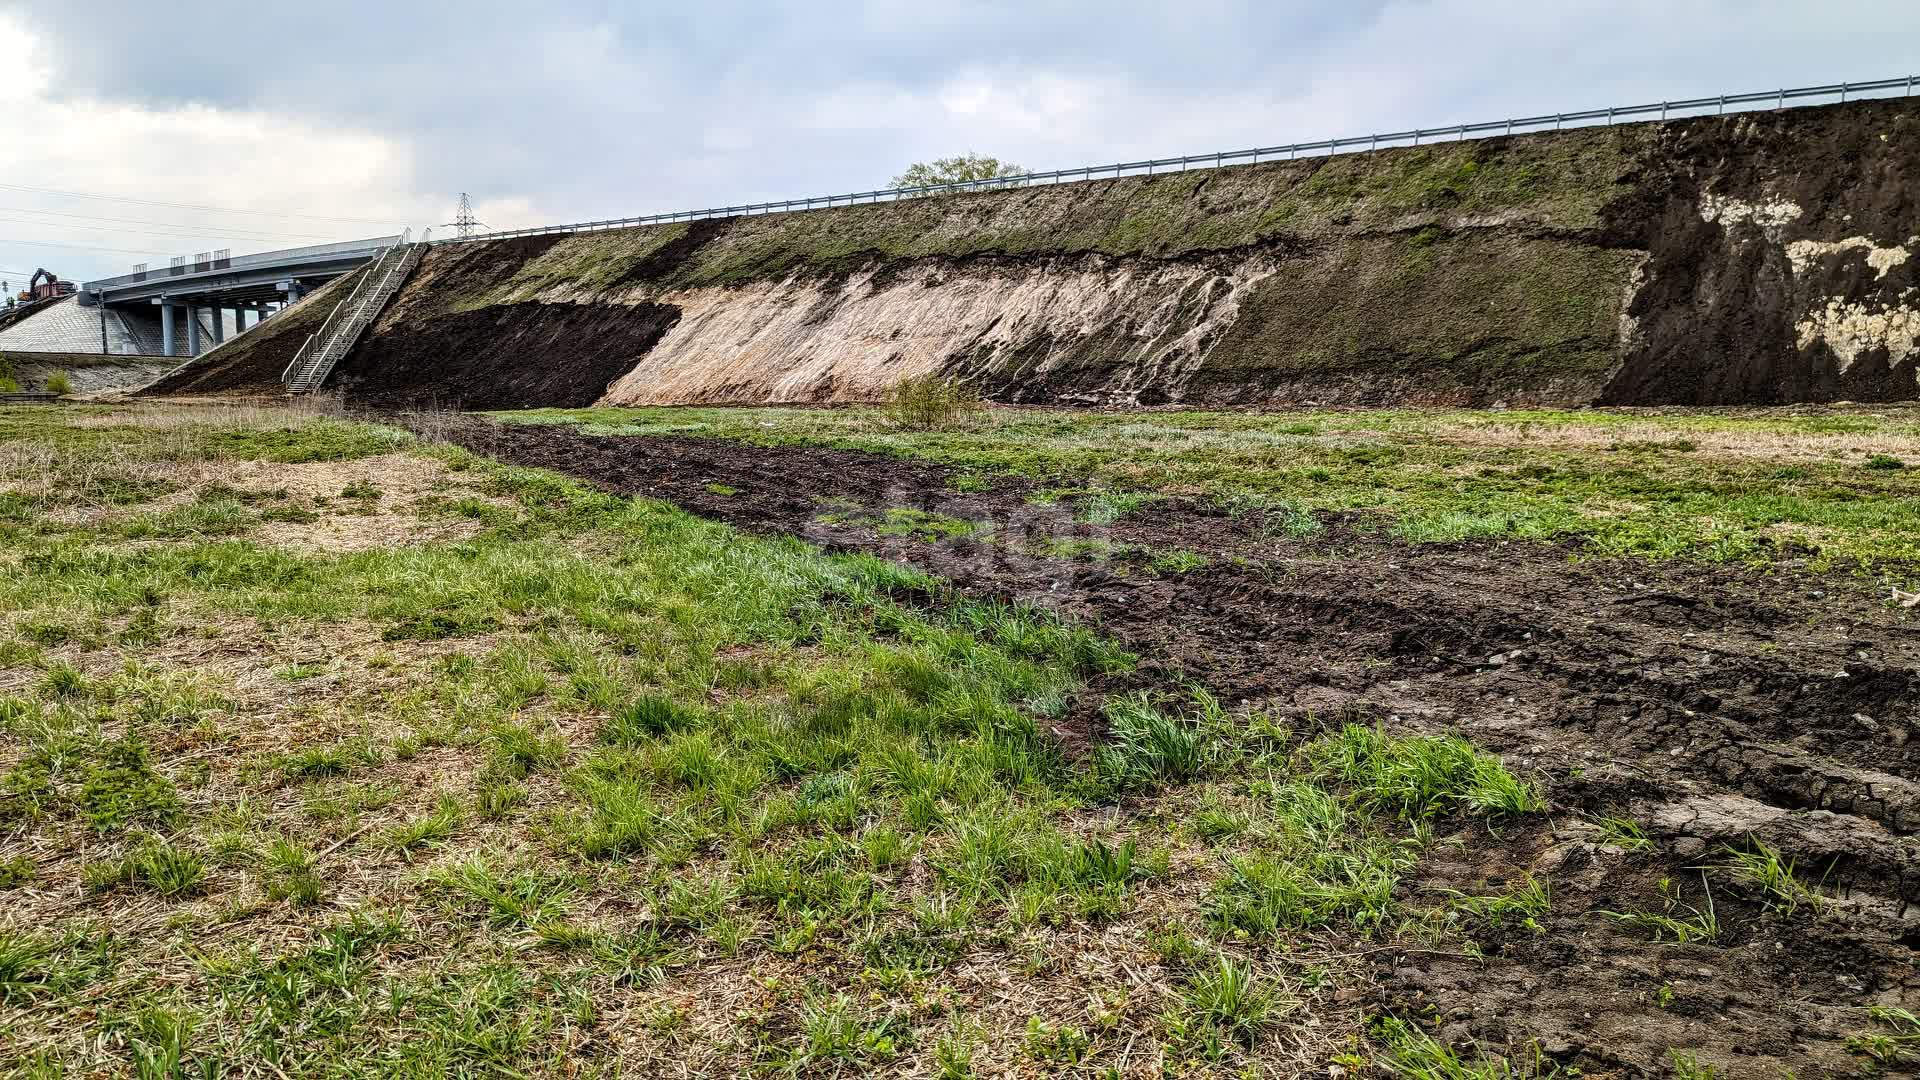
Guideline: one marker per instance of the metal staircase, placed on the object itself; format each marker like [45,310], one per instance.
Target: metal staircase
[351,317]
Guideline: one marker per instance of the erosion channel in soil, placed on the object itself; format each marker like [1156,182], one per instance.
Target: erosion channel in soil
[1713,706]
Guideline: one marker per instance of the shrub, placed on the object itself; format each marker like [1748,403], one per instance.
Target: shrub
[930,402]
[59,383]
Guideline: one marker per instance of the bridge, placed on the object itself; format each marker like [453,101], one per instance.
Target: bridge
[190,299]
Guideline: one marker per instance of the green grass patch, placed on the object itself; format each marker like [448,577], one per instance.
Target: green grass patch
[1429,475]
[601,748]
[923,525]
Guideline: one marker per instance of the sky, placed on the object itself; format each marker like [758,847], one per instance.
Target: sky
[132,130]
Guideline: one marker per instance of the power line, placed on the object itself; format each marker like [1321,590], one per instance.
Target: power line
[195,234]
[183,235]
[84,247]
[193,206]
[168,224]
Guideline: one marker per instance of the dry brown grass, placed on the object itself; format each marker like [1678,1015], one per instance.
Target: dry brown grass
[221,414]
[83,492]
[1741,444]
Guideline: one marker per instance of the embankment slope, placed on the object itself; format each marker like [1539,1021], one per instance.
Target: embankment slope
[251,363]
[86,373]
[1760,257]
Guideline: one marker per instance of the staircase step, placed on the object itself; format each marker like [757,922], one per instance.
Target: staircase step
[352,317]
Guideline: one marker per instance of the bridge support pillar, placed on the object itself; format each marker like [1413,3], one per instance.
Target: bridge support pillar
[239,321]
[193,331]
[166,329]
[219,332]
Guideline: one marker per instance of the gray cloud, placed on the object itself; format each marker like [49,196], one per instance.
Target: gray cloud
[593,108]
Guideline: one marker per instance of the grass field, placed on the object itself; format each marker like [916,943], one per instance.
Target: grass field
[327,751]
[1838,488]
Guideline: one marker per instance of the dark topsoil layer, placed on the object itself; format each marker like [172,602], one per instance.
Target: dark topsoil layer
[1709,704]
[1716,318]
[505,356]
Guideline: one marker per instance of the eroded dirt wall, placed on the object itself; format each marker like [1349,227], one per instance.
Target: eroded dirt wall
[1024,328]
[1756,258]
[1783,259]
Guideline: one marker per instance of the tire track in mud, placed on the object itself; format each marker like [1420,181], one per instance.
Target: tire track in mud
[1713,706]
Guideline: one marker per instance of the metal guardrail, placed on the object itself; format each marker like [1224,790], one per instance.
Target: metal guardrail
[1664,110]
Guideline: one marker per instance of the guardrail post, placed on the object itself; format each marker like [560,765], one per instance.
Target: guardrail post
[1843,92]
[1781,102]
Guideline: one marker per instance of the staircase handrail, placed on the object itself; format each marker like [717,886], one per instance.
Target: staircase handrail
[323,350]
[326,328]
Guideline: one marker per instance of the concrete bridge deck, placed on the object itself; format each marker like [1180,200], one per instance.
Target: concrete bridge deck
[191,297]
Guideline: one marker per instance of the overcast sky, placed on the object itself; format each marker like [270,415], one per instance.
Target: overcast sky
[362,117]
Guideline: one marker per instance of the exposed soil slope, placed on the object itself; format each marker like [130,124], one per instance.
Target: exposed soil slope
[1711,705]
[1784,260]
[501,353]
[428,348]
[1762,257]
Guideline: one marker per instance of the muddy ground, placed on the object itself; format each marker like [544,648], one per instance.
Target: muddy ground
[1709,704]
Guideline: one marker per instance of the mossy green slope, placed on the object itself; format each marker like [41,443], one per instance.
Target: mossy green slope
[1547,182]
